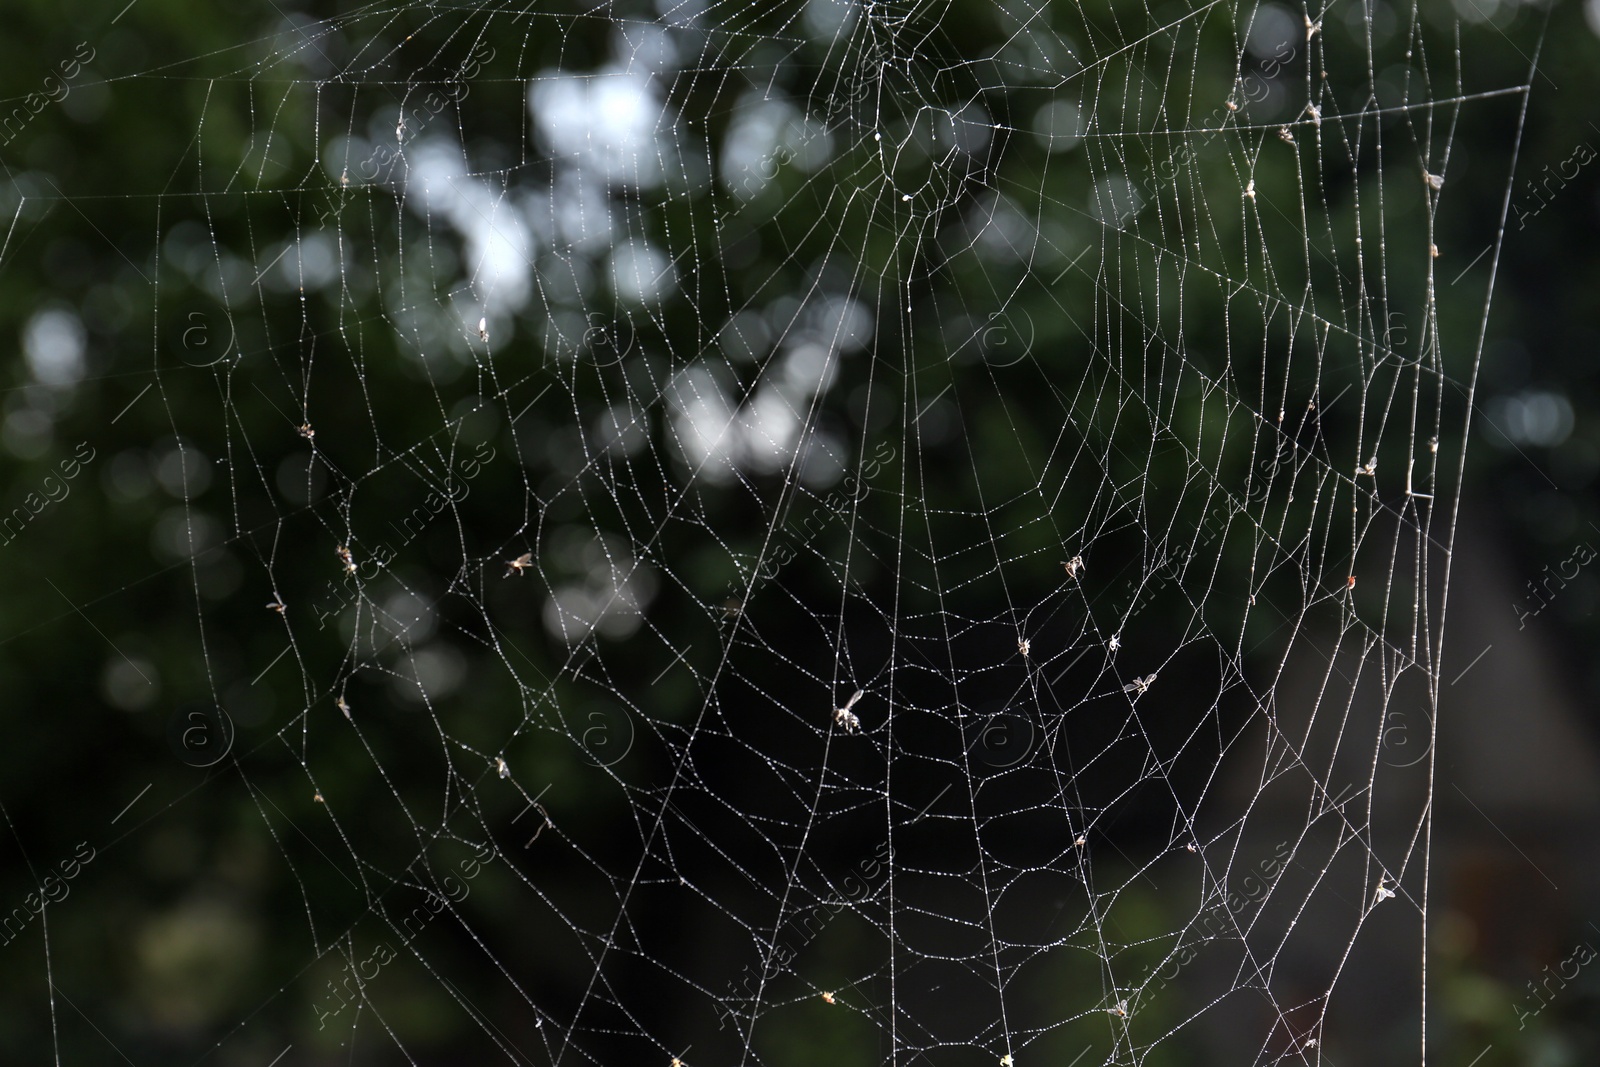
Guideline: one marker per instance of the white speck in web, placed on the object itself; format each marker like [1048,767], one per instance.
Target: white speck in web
[1139,685]
[847,718]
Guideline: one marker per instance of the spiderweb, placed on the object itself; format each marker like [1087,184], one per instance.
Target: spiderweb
[856,532]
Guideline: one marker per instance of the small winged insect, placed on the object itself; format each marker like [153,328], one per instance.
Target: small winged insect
[345,558]
[1115,642]
[277,604]
[1006,1061]
[305,430]
[1074,565]
[483,329]
[518,566]
[829,998]
[500,767]
[847,718]
[1079,841]
[1384,892]
[1121,1009]
[342,706]
[1139,685]
[1024,646]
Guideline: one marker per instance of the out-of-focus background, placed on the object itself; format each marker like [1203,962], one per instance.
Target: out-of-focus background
[810,532]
